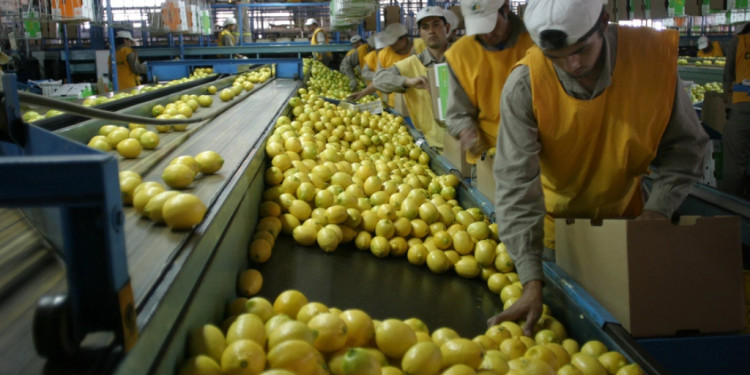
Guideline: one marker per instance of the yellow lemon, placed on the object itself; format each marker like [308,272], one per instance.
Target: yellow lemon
[247,326]
[207,340]
[200,365]
[275,321]
[485,342]
[496,282]
[438,262]
[269,208]
[417,254]
[563,357]
[594,348]
[183,211]
[494,360]
[153,209]
[296,356]
[459,369]
[503,262]
[498,333]
[243,357]
[543,353]
[631,369]
[328,239]
[188,161]
[531,366]
[178,176]
[117,135]
[467,267]
[149,140]
[612,361]
[461,351]
[332,332]
[510,291]
[143,196]
[570,346]
[129,148]
[423,358]
[260,307]
[394,338]
[209,162]
[513,347]
[587,364]
[568,369]
[484,252]
[289,302]
[358,361]
[309,310]
[249,282]
[260,251]
[291,330]
[380,247]
[360,329]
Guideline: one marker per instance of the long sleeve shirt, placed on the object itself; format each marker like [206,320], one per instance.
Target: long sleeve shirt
[519,198]
[390,80]
[461,112]
[349,65]
[135,65]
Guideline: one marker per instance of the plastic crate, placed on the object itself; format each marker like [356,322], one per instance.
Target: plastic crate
[374,107]
[49,88]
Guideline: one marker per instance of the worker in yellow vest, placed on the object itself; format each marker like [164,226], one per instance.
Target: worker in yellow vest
[706,49]
[319,36]
[352,64]
[582,120]
[479,64]
[226,36]
[736,137]
[369,68]
[409,76]
[129,68]
[397,46]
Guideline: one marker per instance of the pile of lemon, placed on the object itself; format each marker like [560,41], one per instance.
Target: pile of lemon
[331,83]
[182,108]
[129,142]
[295,336]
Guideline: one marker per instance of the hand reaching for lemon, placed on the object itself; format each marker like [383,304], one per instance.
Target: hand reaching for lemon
[529,306]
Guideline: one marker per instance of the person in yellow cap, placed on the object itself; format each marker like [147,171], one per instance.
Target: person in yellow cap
[226,36]
[352,64]
[319,36]
[129,68]
[479,64]
[582,119]
[709,49]
[736,137]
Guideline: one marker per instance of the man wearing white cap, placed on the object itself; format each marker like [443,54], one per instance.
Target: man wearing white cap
[582,120]
[479,64]
[452,19]
[706,49]
[226,36]
[736,137]
[354,60]
[129,68]
[369,67]
[319,36]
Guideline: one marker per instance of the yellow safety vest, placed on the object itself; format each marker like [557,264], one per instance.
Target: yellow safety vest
[362,52]
[314,41]
[715,51]
[387,57]
[126,77]
[482,74]
[221,37]
[419,103]
[742,67]
[594,152]
[419,45]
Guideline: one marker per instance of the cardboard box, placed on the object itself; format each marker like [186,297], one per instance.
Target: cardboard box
[370,22]
[486,177]
[399,105]
[713,112]
[658,10]
[439,89]
[456,155]
[392,14]
[657,278]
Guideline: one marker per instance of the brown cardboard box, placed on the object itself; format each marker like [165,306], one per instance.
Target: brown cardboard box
[657,278]
[392,14]
[694,8]
[370,23]
[49,30]
[486,177]
[456,155]
[399,105]
[713,112]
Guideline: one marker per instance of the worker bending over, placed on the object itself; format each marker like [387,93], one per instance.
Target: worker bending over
[354,61]
[319,36]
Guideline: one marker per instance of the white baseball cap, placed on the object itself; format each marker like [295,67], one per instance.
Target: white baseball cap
[379,43]
[230,21]
[125,35]
[311,21]
[575,18]
[371,41]
[702,42]
[431,11]
[3,58]
[452,19]
[480,16]
[355,39]
[392,33]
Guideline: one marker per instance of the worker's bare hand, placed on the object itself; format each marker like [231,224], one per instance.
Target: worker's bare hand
[355,96]
[419,82]
[471,140]
[651,215]
[528,307]
[352,85]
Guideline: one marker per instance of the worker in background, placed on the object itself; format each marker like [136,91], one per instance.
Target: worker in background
[226,36]
[706,49]
[129,68]
[452,19]
[397,46]
[479,63]
[369,68]
[410,73]
[354,60]
[581,121]
[736,137]
[319,36]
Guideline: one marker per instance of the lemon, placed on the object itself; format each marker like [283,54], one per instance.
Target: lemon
[594,348]
[127,188]
[260,307]
[269,208]
[146,185]
[358,361]
[503,262]
[494,360]
[498,333]
[359,326]
[207,340]
[100,145]
[531,366]
[289,302]
[543,353]
[260,251]
[275,321]
[417,254]
[277,372]
[362,241]
[237,306]
[291,330]
[143,196]
[459,369]
[467,267]
[328,239]
[288,223]
[305,235]
[384,228]
[247,326]
[513,347]
[309,310]
[568,369]
[485,342]
[243,357]
[249,282]
[419,228]
[612,361]
[570,346]
[188,161]
[297,356]
[496,282]
[587,364]
[393,337]
[478,230]
[178,176]
[461,351]
[104,130]
[631,369]
[380,247]
[136,133]
[428,212]
[117,135]
[201,365]
[546,336]
[563,357]
[423,358]
[209,162]
[510,291]
[183,211]
[332,332]
[129,148]
[438,262]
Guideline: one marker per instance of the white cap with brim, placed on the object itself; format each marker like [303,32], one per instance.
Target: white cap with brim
[452,19]
[230,21]
[124,35]
[575,18]
[480,16]
[379,43]
[355,39]
[392,33]
[311,21]
[371,41]
[431,11]
[3,58]
[702,42]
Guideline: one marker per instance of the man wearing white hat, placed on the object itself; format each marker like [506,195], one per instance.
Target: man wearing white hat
[319,36]
[582,120]
[479,64]
[706,49]
[129,68]
[354,60]
[226,36]
[452,19]
[411,73]
[369,66]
